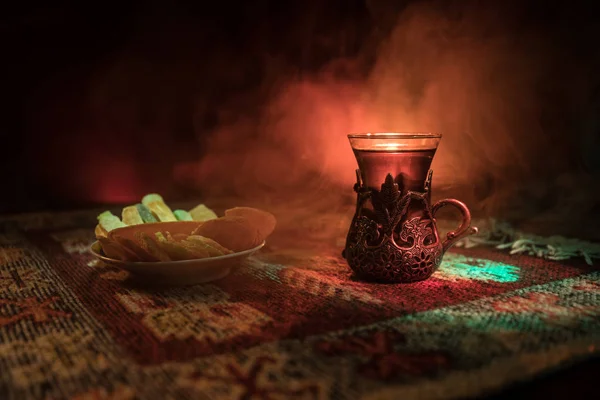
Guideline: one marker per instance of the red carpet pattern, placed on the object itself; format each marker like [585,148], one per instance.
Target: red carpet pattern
[303,328]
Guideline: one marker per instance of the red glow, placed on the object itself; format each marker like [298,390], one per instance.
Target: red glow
[113,182]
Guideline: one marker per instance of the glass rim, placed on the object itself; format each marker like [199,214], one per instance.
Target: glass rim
[395,135]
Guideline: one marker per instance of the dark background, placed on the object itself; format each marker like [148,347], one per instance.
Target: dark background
[53,54]
[53,127]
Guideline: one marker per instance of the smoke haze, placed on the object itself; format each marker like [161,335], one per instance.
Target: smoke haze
[477,75]
[270,126]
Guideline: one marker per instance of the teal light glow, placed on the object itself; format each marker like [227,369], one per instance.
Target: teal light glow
[457,266]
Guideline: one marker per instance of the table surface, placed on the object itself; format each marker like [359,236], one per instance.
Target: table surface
[289,323]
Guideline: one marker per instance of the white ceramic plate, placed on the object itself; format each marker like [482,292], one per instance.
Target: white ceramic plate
[187,272]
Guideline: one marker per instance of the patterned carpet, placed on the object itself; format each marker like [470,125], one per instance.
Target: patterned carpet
[288,328]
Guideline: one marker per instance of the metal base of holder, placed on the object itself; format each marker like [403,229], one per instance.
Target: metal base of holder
[397,241]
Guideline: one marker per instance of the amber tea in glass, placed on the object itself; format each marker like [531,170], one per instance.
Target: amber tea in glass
[393,236]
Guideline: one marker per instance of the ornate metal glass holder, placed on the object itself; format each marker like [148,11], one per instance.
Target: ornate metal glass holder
[393,236]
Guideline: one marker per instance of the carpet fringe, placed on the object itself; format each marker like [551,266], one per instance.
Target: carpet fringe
[504,237]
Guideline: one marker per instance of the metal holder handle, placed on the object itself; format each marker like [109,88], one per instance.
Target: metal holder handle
[465,227]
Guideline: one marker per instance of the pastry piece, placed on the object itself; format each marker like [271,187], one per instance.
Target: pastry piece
[234,233]
[159,208]
[131,216]
[100,232]
[263,221]
[133,250]
[151,247]
[145,214]
[108,221]
[178,237]
[147,199]
[161,211]
[213,248]
[112,249]
[202,213]
[176,251]
[199,250]
[179,228]
[182,215]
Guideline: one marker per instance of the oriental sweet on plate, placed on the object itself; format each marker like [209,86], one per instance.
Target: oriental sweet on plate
[179,247]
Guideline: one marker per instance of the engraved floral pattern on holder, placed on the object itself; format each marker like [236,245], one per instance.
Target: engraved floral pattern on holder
[383,244]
